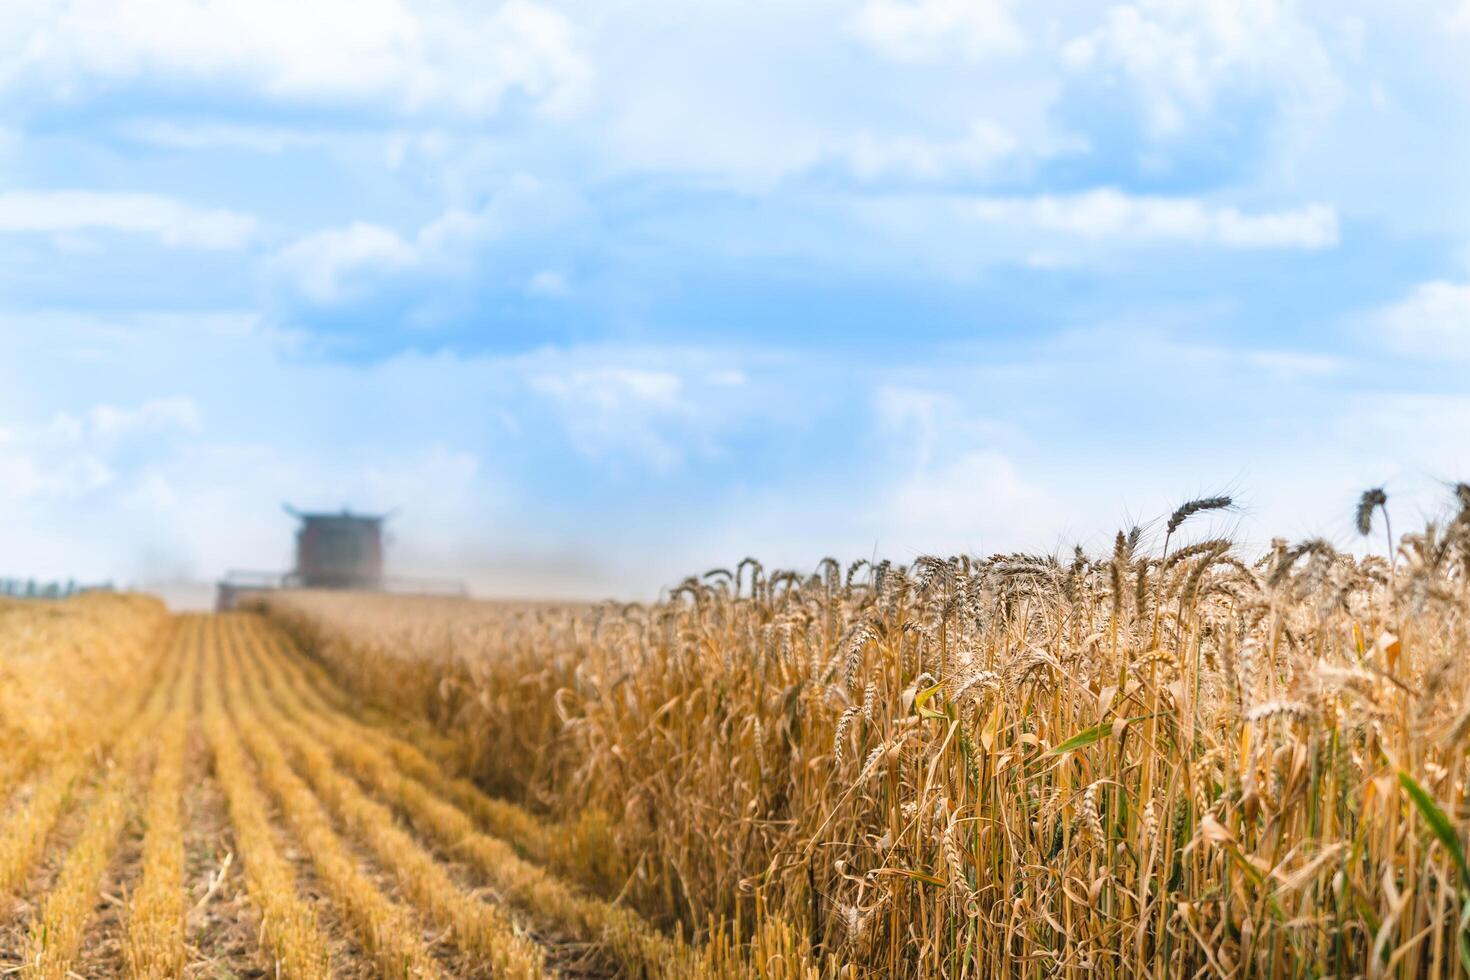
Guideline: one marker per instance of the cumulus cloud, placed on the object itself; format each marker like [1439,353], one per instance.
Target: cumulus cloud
[179,413]
[211,135]
[337,264]
[1433,320]
[611,410]
[1410,439]
[169,220]
[933,423]
[956,483]
[975,153]
[1112,214]
[548,283]
[28,474]
[610,389]
[413,57]
[1457,20]
[964,501]
[74,454]
[934,30]
[1182,56]
[106,424]
[320,263]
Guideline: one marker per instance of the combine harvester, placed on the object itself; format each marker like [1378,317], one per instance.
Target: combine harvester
[333,551]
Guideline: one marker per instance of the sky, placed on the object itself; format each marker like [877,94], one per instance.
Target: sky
[599,295]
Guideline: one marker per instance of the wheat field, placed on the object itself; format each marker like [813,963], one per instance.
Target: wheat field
[1172,759]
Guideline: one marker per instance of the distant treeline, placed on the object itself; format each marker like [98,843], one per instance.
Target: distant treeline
[29,588]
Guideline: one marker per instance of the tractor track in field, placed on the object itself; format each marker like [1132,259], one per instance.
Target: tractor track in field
[239,819]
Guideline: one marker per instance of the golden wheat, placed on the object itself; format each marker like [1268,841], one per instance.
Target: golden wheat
[1148,763]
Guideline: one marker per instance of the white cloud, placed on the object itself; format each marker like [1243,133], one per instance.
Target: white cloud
[1433,320]
[187,135]
[933,423]
[934,30]
[1293,365]
[320,262]
[171,221]
[328,266]
[104,425]
[338,263]
[956,483]
[439,488]
[412,56]
[976,153]
[973,500]
[27,474]
[75,454]
[656,408]
[614,410]
[548,283]
[727,378]
[1181,56]
[1458,20]
[179,413]
[1407,438]
[1112,214]
[611,389]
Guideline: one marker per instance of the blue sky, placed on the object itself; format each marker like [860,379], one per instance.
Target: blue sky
[604,294]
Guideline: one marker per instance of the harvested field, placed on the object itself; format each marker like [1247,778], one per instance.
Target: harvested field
[228,816]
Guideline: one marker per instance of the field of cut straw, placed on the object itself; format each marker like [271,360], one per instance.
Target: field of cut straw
[191,796]
[1172,759]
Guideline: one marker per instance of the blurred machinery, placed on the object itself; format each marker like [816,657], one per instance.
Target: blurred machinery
[339,550]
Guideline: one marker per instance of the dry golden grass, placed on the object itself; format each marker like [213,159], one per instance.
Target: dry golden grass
[580,848]
[61,664]
[482,930]
[56,935]
[299,948]
[155,941]
[1167,761]
[626,938]
[388,931]
[62,829]
[56,717]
